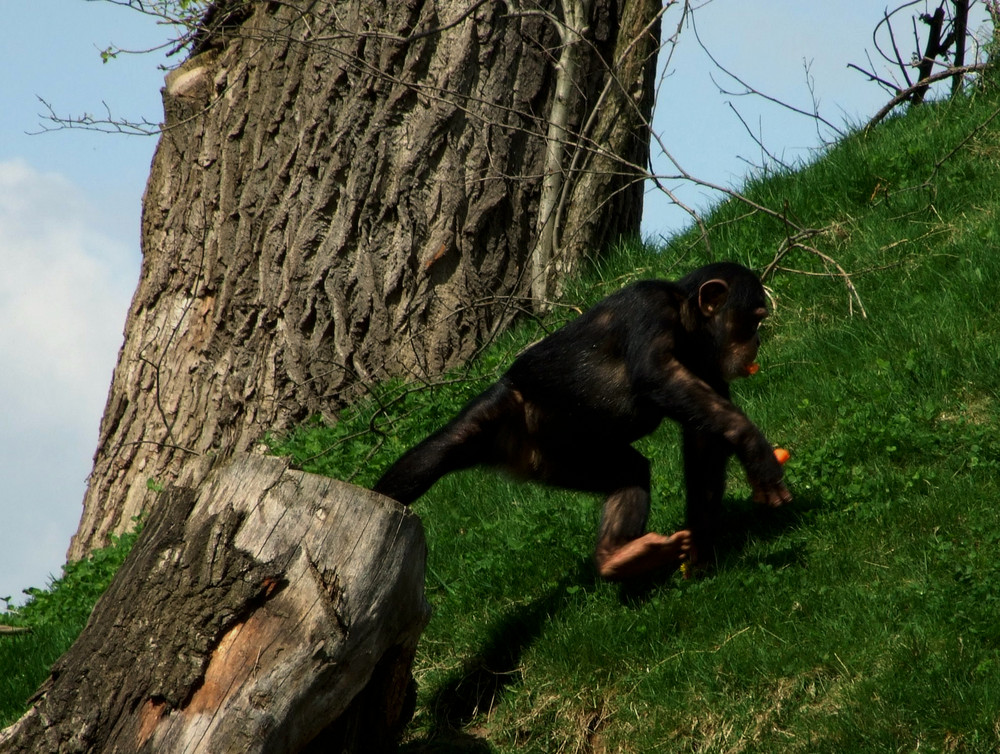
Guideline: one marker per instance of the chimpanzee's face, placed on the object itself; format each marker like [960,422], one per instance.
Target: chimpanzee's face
[741,340]
[733,309]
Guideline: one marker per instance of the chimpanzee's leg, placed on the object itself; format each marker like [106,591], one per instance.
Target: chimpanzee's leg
[705,459]
[624,548]
[470,438]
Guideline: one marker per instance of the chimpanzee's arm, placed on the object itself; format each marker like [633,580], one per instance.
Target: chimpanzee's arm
[698,407]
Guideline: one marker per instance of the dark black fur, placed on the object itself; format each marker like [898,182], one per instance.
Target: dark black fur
[570,406]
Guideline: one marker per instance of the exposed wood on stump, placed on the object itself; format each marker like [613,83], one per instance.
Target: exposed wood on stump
[249,615]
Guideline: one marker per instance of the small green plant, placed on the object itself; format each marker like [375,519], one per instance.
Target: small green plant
[56,616]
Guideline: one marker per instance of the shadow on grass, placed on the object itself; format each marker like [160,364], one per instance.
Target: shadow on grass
[485,676]
[743,522]
[747,522]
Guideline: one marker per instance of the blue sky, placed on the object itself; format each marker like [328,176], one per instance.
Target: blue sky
[70,206]
[69,261]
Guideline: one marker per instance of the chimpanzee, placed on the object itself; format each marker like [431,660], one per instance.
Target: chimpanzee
[569,408]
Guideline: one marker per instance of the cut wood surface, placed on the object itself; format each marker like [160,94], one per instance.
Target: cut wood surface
[262,611]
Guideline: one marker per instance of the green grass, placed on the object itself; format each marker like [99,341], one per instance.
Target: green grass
[864,616]
[56,616]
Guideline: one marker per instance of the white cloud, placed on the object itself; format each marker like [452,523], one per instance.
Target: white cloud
[64,291]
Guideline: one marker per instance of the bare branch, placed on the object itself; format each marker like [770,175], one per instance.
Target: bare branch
[897,58]
[904,94]
[872,77]
[87,122]
[756,139]
[796,241]
[750,90]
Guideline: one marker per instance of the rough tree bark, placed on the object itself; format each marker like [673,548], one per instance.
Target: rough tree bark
[348,190]
[263,611]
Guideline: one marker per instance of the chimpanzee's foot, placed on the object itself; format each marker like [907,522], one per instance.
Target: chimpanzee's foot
[648,553]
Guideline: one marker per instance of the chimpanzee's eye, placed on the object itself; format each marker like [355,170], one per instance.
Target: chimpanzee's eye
[748,328]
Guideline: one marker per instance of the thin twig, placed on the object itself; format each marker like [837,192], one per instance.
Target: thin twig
[755,138]
[753,91]
[872,77]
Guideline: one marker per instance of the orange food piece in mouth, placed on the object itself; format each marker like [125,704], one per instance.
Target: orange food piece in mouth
[782,455]
[752,369]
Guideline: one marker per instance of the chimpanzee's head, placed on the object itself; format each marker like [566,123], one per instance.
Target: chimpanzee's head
[729,304]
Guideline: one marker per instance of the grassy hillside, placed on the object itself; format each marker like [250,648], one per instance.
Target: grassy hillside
[862,617]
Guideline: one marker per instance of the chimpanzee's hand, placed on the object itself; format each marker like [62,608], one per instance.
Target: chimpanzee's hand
[765,476]
[773,493]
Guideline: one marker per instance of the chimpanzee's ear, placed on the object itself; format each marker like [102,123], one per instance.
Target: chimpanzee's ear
[711,296]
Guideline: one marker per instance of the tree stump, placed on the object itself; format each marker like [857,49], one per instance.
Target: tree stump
[262,611]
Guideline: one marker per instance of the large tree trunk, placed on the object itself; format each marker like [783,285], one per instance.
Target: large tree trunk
[349,190]
[266,610]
